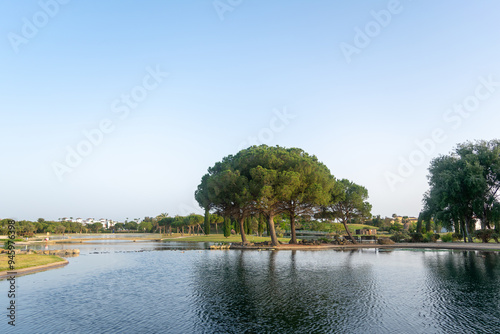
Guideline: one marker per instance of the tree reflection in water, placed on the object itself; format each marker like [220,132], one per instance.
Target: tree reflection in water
[283,291]
[462,291]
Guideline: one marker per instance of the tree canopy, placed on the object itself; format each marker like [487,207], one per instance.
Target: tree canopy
[269,181]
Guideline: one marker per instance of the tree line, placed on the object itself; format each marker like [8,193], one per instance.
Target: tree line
[263,181]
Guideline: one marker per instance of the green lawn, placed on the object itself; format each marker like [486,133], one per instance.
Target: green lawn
[27,260]
[354,227]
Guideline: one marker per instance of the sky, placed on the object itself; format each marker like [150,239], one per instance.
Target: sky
[116,109]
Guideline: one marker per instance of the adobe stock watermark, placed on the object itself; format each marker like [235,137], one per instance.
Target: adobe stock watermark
[31,26]
[277,124]
[11,250]
[122,107]
[454,117]
[373,28]
[223,6]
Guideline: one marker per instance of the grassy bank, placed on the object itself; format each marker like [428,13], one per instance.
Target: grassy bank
[220,238]
[27,260]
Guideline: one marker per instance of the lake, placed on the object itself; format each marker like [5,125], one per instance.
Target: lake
[153,287]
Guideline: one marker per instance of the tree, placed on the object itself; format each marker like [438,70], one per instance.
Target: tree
[59,229]
[268,181]
[226,191]
[145,226]
[96,227]
[166,221]
[464,185]
[285,180]
[227,227]
[131,225]
[310,184]
[348,201]
[192,221]
[216,219]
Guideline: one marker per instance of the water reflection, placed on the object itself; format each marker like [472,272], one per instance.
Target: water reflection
[283,291]
[149,288]
[463,291]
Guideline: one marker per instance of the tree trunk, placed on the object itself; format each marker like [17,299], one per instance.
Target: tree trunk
[465,228]
[292,228]
[272,231]
[349,232]
[242,231]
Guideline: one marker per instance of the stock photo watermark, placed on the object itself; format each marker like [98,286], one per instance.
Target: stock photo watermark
[32,26]
[266,135]
[122,107]
[11,251]
[224,6]
[381,19]
[454,117]
[277,123]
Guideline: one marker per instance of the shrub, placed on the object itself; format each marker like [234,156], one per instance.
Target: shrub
[385,241]
[417,237]
[448,237]
[457,236]
[484,235]
[495,236]
[431,237]
[400,236]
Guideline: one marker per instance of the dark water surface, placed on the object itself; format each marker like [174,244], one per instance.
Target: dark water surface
[151,287]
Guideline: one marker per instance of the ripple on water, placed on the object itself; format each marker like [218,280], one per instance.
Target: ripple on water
[263,292]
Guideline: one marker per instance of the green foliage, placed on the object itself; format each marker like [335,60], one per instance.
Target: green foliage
[227,227]
[401,236]
[261,225]
[396,227]
[495,237]
[145,226]
[417,237]
[448,237]
[457,236]
[484,235]
[431,237]
[206,225]
[266,180]
[464,185]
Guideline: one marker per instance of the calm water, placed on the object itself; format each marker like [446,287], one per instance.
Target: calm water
[117,287]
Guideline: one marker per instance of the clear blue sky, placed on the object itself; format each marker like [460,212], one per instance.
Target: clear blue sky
[358,94]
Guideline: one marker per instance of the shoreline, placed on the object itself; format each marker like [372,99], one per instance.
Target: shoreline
[431,245]
[31,270]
